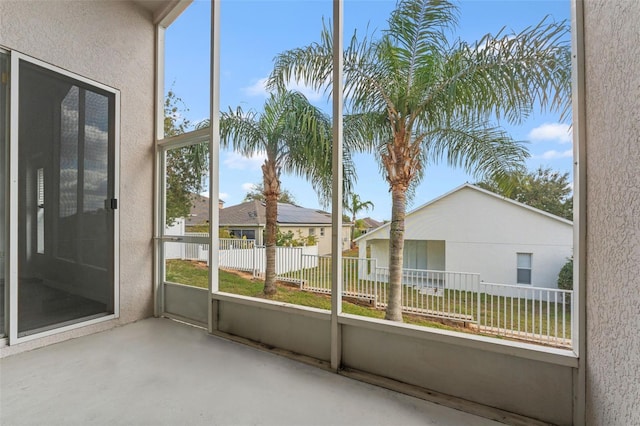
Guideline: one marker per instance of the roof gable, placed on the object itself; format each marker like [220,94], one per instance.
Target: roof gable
[383,231]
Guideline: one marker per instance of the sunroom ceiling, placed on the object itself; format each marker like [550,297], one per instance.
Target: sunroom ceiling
[162,8]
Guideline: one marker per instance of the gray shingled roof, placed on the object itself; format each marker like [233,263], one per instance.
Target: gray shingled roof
[371,223]
[199,213]
[252,213]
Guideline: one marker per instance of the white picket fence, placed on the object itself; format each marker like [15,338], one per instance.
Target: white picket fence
[245,255]
[188,251]
[242,255]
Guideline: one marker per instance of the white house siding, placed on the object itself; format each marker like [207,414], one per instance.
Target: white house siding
[323,241]
[113,44]
[379,251]
[483,234]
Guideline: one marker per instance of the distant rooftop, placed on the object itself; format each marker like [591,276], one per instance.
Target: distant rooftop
[199,213]
[371,223]
[253,213]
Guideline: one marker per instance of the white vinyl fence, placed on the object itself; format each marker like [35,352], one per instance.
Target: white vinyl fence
[245,255]
[188,251]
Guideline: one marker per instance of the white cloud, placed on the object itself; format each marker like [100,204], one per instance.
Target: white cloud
[223,195]
[259,88]
[248,186]
[310,93]
[240,162]
[553,132]
[554,155]
[496,44]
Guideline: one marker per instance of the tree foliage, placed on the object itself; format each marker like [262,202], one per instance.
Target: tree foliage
[257,193]
[543,188]
[415,98]
[355,205]
[186,167]
[288,239]
[565,277]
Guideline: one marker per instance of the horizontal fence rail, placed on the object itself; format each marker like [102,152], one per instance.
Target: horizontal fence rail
[533,314]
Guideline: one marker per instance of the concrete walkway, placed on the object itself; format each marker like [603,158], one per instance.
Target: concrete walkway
[159,372]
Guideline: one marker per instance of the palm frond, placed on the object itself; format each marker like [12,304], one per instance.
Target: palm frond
[480,149]
[505,75]
[240,131]
[311,64]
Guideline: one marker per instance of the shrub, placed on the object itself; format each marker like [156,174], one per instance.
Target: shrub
[565,277]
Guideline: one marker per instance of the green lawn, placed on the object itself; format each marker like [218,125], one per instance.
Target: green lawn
[496,311]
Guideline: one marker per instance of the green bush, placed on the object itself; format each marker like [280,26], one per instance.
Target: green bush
[565,277]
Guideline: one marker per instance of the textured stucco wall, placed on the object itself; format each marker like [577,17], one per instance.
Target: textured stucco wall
[112,43]
[612,72]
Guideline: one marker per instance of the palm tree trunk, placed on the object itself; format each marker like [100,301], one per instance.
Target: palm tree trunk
[271,192]
[353,231]
[396,253]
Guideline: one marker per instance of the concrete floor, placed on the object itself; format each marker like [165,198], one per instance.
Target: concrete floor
[159,372]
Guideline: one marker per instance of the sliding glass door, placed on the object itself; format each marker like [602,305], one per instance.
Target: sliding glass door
[4,135]
[66,200]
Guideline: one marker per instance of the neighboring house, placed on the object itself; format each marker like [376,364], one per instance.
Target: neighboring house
[199,214]
[473,230]
[248,220]
[370,225]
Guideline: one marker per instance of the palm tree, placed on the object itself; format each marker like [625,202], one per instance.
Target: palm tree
[354,205]
[295,137]
[417,99]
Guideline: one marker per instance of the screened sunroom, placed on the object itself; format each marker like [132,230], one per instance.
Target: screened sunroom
[90,247]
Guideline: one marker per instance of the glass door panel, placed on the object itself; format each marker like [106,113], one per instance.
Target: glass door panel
[66,200]
[4,137]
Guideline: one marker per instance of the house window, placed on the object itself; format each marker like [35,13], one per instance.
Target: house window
[312,232]
[524,268]
[322,232]
[249,234]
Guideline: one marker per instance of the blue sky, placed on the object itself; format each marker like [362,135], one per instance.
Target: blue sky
[254,32]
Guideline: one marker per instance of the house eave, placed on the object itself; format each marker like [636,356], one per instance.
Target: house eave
[368,235]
